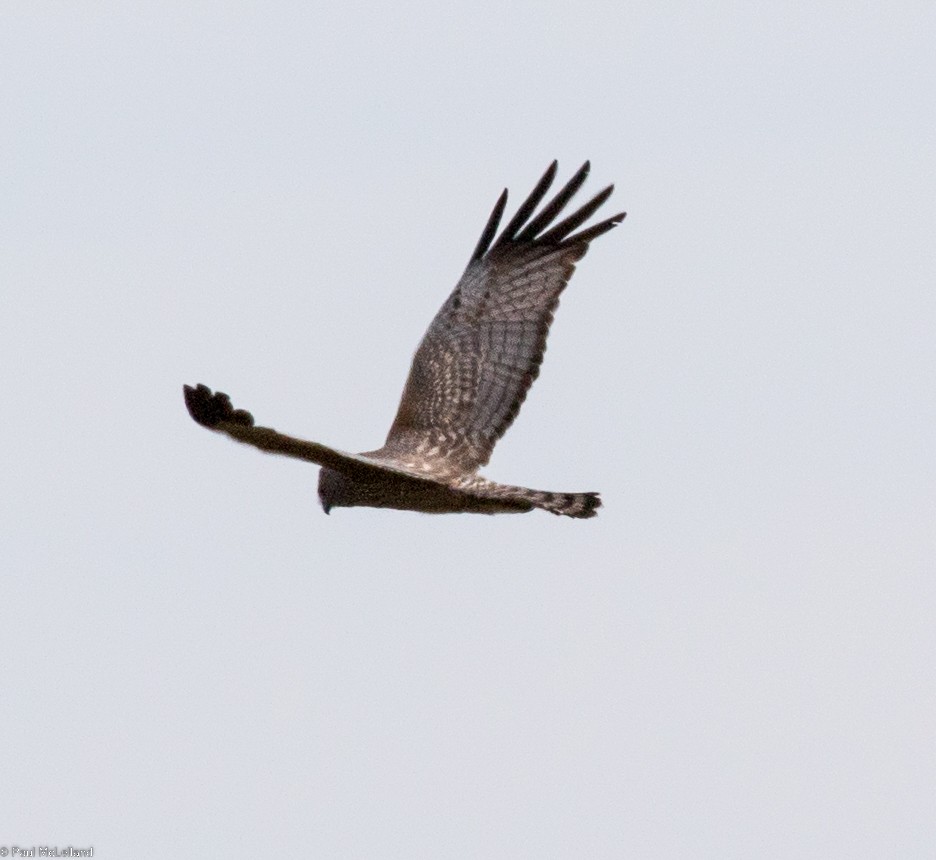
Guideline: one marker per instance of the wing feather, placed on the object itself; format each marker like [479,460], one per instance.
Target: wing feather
[576,219]
[528,207]
[490,229]
[556,205]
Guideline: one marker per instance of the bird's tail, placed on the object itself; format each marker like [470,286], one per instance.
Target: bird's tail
[578,505]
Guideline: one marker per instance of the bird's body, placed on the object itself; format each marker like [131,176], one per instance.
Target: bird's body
[468,380]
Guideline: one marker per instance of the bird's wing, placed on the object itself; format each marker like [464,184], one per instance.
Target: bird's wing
[480,355]
[214,411]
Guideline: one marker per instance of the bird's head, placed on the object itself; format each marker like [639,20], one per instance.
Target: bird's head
[334,490]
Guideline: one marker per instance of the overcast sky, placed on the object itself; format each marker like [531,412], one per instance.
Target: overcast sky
[734,660]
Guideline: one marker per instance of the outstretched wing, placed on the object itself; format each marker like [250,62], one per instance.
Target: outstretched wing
[215,411]
[484,348]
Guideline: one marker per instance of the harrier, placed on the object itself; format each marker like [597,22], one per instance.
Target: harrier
[469,377]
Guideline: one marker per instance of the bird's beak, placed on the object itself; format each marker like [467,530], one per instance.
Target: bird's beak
[326,507]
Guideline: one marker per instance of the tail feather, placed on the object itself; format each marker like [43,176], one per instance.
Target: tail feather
[577,505]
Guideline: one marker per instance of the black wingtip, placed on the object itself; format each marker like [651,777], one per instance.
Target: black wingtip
[591,233]
[210,409]
[561,234]
[490,229]
[552,209]
[528,207]
[560,231]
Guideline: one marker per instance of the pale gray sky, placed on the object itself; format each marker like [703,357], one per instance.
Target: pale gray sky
[734,660]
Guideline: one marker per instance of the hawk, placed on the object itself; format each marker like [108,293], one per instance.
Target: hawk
[469,377]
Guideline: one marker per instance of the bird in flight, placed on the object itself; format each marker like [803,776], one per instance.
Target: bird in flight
[469,377]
